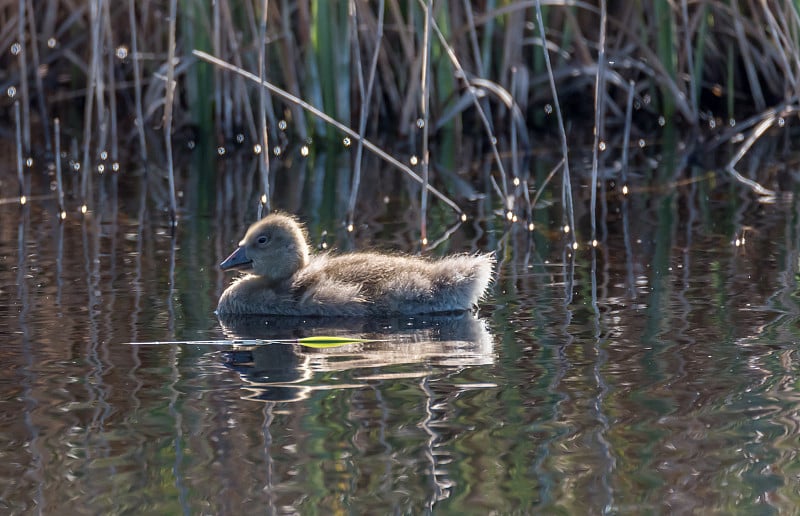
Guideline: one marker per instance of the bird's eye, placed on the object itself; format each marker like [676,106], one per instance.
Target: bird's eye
[262,239]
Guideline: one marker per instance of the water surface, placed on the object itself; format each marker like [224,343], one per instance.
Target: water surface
[655,373]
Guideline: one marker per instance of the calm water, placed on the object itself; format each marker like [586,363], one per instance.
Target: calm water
[657,374]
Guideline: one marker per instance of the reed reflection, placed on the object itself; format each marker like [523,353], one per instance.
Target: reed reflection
[29,395]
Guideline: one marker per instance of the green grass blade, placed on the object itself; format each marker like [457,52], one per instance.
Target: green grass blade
[321,341]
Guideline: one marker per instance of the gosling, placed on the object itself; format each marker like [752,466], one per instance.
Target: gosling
[284,278]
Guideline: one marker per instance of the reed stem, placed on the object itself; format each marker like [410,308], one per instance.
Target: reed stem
[137,82]
[263,162]
[687,43]
[62,213]
[425,85]
[599,112]
[40,93]
[89,102]
[516,171]
[471,86]
[169,99]
[566,190]
[626,139]
[18,133]
[23,79]
[365,100]
[112,89]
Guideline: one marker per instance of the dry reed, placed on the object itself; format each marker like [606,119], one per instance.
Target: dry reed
[425,99]
[263,162]
[18,133]
[62,213]
[366,95]
[169,94]
[727,70]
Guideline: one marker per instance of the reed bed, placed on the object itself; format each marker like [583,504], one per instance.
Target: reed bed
[462,97]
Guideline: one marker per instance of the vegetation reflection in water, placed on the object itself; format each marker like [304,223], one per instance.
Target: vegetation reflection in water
[668,382]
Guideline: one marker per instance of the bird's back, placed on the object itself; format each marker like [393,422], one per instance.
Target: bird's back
[400,284]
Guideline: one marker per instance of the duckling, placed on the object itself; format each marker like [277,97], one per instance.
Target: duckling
[284,278]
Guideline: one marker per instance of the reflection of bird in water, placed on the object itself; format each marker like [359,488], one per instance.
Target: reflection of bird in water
[285,279]
[271,373]
[281,372]
[430,355]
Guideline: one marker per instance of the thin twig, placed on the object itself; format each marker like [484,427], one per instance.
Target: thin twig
[546,181]
[758,131]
